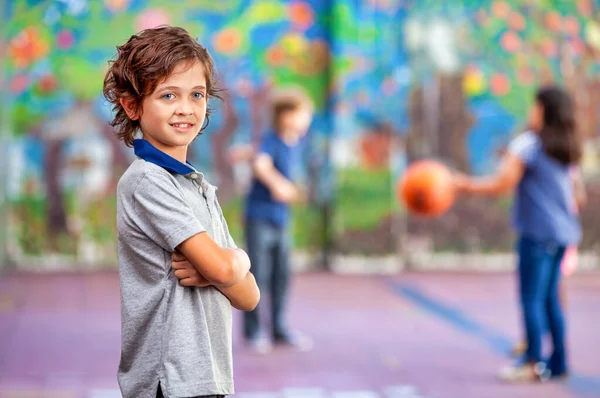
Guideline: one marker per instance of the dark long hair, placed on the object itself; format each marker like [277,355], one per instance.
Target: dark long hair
[559,135]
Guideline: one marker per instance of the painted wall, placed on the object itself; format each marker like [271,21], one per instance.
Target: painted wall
[392,80]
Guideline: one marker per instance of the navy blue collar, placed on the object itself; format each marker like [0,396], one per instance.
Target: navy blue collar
[150,153]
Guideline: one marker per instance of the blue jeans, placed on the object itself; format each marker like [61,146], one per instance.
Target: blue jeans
[539,277]
[268,247]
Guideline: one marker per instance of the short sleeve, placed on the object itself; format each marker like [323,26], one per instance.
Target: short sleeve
[230,242]
[525,147]
[267,146]
[162,213]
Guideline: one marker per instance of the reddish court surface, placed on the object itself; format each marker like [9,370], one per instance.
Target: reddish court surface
[410,335]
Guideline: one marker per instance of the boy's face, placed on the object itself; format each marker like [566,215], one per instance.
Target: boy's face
[295,124]
[174,113]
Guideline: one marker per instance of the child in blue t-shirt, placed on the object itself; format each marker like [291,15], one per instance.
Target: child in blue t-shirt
[570,260]
[537,169]
[267,217]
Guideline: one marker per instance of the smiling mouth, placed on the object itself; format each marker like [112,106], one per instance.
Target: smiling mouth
[182,125]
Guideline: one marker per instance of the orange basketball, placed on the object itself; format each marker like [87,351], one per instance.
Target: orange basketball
[426,188]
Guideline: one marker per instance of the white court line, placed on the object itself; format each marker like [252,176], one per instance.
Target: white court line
[355,394]
[258,395]
[403,391]
[304,393]
[104,393]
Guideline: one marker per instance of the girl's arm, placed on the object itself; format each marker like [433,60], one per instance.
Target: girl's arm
[578,188]
[505,180]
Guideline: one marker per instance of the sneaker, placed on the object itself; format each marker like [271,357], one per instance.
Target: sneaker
[295,340]
[560,377]
[260,345]
[526,373]
[554,375]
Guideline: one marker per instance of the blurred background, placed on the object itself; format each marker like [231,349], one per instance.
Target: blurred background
[393,81]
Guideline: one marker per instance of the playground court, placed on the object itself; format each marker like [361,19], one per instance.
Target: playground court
[411,335]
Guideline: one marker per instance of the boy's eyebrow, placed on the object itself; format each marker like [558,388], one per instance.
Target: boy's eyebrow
[174,88]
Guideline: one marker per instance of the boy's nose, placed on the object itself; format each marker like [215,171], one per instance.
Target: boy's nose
[184,109]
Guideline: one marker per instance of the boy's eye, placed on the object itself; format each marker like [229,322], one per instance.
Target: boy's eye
[168,96]
[198,95]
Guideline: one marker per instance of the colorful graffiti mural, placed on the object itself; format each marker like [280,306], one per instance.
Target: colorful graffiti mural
[392,81]
[64,158]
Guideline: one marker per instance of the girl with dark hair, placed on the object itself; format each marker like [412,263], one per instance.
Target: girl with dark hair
[537,168]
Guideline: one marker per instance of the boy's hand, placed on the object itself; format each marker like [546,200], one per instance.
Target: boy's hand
[303,195]
[285,192]
[245,260]
[289,192]
[187,274]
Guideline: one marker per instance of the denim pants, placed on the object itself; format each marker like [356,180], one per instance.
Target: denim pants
[539,277]
[268,247]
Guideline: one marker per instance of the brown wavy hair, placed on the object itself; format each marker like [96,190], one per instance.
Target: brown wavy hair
[148,58]
[560,137]
[288,100]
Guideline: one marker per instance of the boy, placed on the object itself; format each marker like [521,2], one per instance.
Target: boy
[180,271]
[267,216]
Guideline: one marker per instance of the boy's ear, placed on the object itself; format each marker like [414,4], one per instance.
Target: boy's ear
[130,108]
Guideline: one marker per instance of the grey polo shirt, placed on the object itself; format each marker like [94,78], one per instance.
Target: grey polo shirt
[178,336]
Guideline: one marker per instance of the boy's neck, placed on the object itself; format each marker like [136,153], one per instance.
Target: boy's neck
[176,152]
[289,138]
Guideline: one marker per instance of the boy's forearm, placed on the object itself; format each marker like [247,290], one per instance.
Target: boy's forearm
[240,267]
[243,296]
[272,178]
[220,266]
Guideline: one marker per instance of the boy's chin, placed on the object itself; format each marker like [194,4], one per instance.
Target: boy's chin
[175,142]
[182,140]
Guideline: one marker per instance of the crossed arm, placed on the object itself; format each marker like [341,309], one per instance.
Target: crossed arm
[201,262]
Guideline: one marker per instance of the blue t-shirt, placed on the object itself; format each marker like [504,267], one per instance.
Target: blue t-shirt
[544,207]
[260,204]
